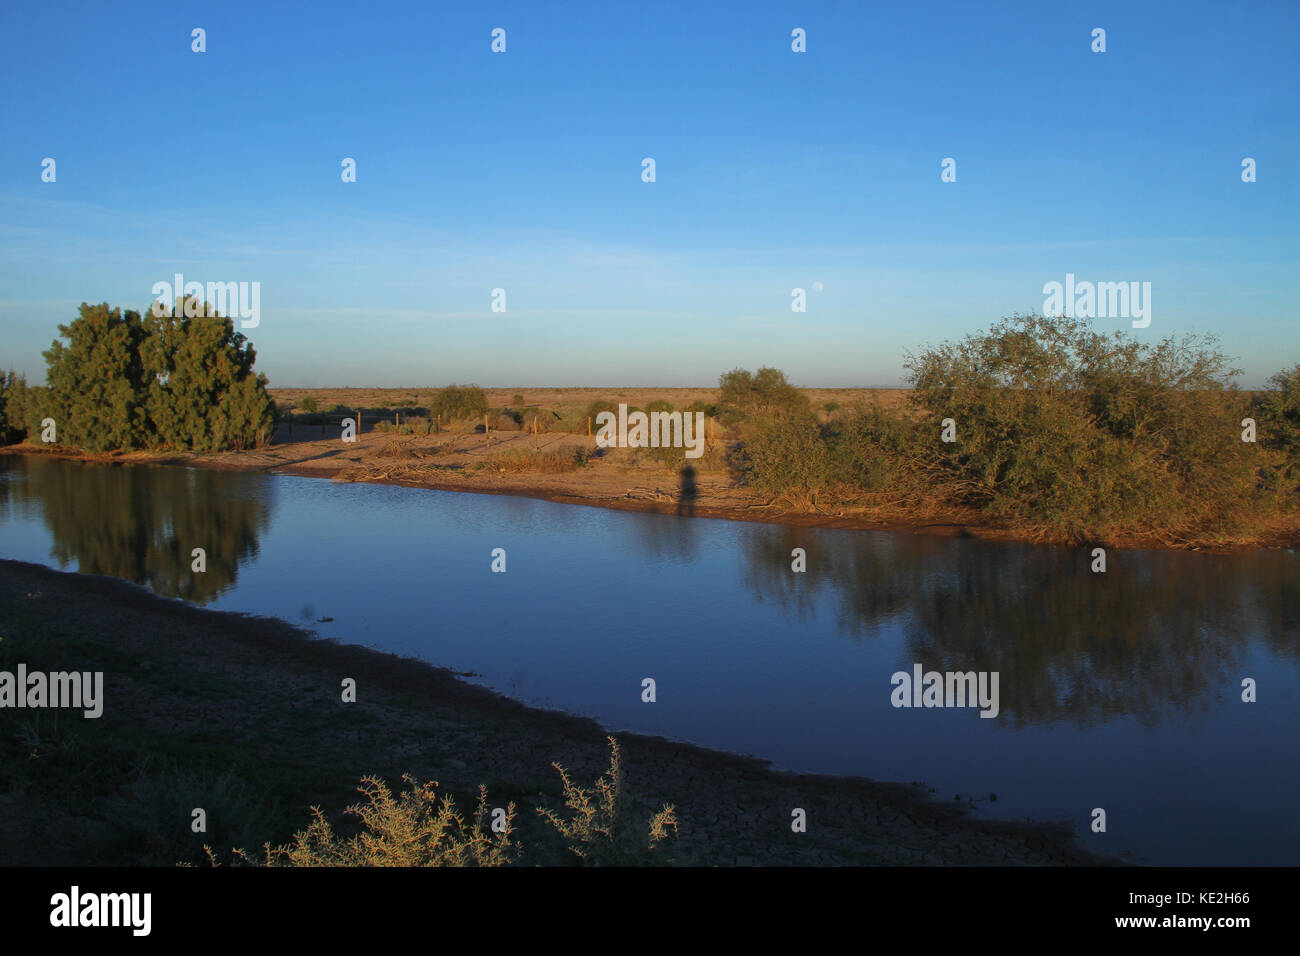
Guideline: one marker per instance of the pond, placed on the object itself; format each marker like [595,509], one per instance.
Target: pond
[1119,690]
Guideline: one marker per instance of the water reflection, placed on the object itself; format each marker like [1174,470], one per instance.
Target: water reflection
[666,538]
[142,523]
[1159,633]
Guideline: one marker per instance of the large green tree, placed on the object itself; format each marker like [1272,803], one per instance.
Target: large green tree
[96,392]
[170,380]
[13,389]
[203,394]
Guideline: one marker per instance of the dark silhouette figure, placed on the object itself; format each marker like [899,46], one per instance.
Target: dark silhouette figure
[686,497]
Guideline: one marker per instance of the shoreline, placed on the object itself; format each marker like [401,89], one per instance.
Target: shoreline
[173,670]
[365,464]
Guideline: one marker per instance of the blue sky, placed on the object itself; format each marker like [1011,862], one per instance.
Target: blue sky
[522,171]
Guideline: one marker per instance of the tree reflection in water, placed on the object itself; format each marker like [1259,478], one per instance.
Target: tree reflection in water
[1158,633]
[142,523]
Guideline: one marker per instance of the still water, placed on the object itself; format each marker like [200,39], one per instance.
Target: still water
[1119,690]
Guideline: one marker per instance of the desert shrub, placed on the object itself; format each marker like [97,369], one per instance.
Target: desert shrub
[414,829]
[1023,442]
[308,405]
[568,418]
[1277,414]
[540,462]
[600,405]
[594,828]
[1070,431]
[789,458]
[666,455]
[459,403]
[593,409]
[1060,431]
[412,426]
[538,419]
[870,450]
[764,395]
[516,399]
[1175,404]
[419,828]
[396,455]
[505,419]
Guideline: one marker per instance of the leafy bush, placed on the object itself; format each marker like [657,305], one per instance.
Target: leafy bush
[308,405]
[1060,431]
[507,419]
[538,419]
[1070,431]
[667,454]
[870,450]
[764,395]
[1277,413]
[789,458]
[593,409]
[459,403]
